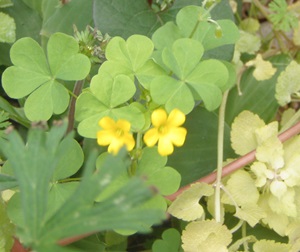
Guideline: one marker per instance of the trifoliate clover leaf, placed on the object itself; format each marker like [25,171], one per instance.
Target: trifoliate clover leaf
[105,97]
[263,69]
[270,246]
[39,76]
[196,80]
[131,57]
[288,84]
[186,206]
[206,236]
[282,18]
[7,28]
[243,139]
[170,242]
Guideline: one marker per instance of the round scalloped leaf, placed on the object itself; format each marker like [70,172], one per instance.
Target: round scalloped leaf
[288,83]
[206,236]
[35,75]
[186,206]
[8,28]
[252,214]
[243,138]
[270,246]
[238,185]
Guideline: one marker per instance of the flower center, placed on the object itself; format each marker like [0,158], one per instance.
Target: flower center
[119,133]
[162,129]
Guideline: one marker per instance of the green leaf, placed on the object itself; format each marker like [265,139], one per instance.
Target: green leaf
[7,229]
[32,76]
[282,18]
[5,3]
[7,182]
[28,24]
[58,194]
[78,215]
[200,80]
[71,158]
[257,96]
[33,166]
[197,157]
[180,60]
[61,18]
[112,91]
[152,166]
[8,27]
[186,206]
[170,242]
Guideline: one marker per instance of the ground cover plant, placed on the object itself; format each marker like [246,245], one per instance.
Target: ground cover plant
[159,125]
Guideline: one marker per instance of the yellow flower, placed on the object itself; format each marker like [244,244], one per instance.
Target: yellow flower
[115,134]
[166,131]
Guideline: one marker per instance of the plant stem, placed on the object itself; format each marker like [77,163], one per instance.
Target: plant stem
[76,91]
[238,163]
[244,234]
[218,183]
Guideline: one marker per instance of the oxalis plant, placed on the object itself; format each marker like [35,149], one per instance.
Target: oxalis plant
[149,126]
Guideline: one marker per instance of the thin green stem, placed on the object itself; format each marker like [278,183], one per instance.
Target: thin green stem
[71,116]
[218,182]
[237,226]
[244,234]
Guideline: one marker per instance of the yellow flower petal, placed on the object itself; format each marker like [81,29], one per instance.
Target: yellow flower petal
[151,137]
[104,137]
[115,146]
[124,125]
[129,141]
[107,123]
[177,136]
[165,146]
[176,118]
[159,117]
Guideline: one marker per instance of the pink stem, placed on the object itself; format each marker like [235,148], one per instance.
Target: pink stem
[236,164]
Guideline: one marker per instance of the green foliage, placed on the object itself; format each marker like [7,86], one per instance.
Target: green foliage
[170,242]
[40,77]
[282,18]
[77,215]
[8,27]
[185,55]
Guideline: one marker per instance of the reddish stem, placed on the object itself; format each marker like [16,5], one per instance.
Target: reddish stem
[236,164]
